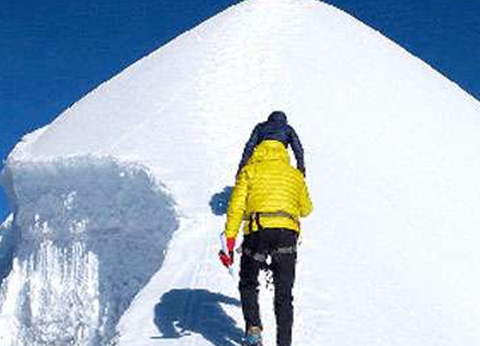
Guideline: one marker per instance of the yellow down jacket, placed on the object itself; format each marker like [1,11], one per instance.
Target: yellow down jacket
[268,184]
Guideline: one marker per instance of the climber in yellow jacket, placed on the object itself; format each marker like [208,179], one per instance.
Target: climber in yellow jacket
[269,196]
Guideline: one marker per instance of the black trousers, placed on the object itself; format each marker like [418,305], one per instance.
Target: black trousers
[265,242]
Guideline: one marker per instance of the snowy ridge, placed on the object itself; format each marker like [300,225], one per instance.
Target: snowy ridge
[389,256]
[93,233]
[26,141]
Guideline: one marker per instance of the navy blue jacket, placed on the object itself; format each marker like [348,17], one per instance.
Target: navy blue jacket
[276,128]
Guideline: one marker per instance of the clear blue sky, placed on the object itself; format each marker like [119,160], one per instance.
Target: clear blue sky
[53,52]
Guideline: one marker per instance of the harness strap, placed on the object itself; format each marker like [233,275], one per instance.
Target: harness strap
[259,257]
[257,221]
[262,257]
[275,214]
[255,217]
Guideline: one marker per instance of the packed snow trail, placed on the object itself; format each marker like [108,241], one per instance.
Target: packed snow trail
[193,273]
[389,256]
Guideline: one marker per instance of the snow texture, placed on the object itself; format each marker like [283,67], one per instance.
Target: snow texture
[389,256]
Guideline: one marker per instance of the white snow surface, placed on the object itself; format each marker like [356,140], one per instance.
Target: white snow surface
[389,256]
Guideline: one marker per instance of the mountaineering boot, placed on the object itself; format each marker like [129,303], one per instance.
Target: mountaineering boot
[253,337]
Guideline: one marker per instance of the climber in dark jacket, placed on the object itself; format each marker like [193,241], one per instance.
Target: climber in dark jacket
[275,128]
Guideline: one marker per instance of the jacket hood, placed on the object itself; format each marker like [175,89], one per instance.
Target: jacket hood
[277,117]
[270,150]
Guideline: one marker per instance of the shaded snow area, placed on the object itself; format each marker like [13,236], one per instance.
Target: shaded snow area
[7,244]
[389,256]
[91,234]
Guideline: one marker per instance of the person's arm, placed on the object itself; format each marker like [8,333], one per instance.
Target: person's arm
[297,150]
[249,147]
[306,205]
[237,206]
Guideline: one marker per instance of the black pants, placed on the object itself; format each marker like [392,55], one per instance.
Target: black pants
[282,265]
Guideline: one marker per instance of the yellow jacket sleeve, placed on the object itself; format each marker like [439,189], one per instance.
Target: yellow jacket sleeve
[237,205]
[306,206]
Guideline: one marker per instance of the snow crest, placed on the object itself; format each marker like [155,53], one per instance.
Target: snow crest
[91,233]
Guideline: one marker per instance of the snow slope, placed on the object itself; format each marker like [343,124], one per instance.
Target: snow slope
[389,256]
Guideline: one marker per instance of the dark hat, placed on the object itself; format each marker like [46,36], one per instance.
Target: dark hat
[277,117]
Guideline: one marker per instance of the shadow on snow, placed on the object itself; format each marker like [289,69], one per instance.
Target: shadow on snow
[219,201]
[181,312]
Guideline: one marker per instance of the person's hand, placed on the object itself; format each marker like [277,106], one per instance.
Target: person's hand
[227,259]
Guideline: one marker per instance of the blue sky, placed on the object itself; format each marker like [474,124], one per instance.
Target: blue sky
[54,52]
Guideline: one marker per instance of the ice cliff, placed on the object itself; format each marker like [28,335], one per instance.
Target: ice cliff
[93,232]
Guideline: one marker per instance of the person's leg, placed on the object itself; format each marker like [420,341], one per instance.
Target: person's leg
[283,266]
[249,285]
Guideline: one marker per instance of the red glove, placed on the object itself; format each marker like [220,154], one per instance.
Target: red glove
[227,260]
[230,244]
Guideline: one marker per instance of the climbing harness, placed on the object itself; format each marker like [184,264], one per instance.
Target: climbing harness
[255,216]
